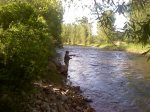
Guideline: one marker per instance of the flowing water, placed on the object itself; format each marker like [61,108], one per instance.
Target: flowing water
[116,81]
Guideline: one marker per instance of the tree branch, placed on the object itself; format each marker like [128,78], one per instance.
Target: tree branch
[102,25]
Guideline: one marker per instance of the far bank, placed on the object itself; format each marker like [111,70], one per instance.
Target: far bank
[118,46]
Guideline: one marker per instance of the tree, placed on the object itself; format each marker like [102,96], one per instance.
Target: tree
[78,33]
[26,49]
[140,7]
[139,25]
[52,12]
[106,27]
[85,30]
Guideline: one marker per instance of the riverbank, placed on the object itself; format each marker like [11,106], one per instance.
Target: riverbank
[120,46]
[62,98]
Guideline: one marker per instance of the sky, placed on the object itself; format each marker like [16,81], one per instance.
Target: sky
[83,8]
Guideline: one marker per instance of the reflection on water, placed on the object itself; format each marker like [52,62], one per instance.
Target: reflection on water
[115,81]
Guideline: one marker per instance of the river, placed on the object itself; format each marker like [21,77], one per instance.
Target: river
[116,81]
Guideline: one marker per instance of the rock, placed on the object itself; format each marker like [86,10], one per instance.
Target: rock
[46,90]
[38,102]
[78,108]
[61,108]
[66,107]
[77,89]
[59,97]
[48,110]
[54,111]
[34,110]
[87,110]
[88,100]
[45,107]
[64,97]
[46,99]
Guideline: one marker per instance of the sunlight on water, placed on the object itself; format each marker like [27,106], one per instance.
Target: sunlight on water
[115,81]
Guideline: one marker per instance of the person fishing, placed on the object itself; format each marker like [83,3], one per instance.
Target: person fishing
[67,58]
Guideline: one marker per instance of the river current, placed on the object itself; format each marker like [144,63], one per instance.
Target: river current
[116,81]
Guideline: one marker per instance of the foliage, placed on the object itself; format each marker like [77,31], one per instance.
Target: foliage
[137,29]
[51,11]
[136,10]
[79,33]
[26,47]
[106,27]
[139,25]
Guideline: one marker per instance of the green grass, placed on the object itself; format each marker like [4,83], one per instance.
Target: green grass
[121,46]
[131,47]
[137,48]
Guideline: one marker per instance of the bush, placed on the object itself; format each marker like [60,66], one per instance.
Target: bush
[26,47]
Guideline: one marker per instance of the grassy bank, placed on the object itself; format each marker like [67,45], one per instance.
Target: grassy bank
[131,47]
[120,46]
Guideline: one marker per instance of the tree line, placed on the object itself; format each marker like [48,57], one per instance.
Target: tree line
[80,33]
[77,33]
[135,30]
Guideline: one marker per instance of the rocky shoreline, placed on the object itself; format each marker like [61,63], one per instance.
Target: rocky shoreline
[52,98]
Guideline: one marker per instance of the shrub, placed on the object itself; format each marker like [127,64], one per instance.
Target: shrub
[26,47]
